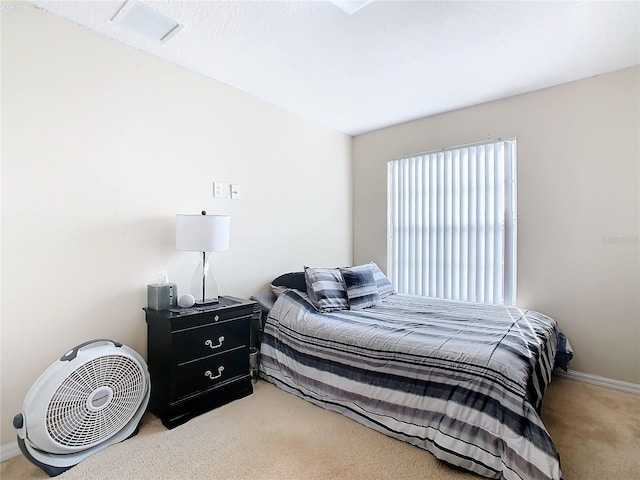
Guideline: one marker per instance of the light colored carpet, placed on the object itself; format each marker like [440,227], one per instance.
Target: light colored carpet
[275,435]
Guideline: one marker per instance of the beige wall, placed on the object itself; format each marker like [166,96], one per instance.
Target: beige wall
[101,147]
[578,205]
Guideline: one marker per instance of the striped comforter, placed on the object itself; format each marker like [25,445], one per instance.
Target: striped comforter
[461,380]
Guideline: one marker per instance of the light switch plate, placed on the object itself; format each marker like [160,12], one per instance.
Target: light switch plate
[235,191]
[218,189]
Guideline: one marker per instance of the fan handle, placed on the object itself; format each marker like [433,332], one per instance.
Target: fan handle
[73,353]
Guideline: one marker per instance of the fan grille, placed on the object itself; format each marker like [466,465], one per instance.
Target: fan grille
[95,401]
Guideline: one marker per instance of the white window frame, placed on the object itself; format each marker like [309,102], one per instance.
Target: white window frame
[458,209]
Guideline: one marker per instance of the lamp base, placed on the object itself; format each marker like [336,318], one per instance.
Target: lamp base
[207,301]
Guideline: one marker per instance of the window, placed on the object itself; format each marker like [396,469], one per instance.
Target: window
[452,223]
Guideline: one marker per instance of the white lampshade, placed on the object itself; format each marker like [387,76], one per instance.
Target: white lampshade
[202,233]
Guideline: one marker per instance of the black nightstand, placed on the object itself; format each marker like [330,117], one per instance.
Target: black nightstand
[198,358]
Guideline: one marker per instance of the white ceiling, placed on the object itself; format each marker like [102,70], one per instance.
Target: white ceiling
[390,62]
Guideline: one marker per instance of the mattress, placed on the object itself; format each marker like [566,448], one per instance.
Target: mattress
[463,381]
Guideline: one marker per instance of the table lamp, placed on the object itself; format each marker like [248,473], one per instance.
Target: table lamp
[205,234]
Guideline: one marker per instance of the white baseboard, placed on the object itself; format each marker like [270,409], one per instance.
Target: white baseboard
[9,450]
[600,381]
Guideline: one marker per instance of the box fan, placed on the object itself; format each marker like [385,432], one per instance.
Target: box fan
[92,397]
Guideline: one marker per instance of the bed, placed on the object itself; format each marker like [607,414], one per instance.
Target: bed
[463,381]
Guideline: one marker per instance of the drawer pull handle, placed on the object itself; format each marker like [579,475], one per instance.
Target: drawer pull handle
[210,344]
[212,376]
[216,318]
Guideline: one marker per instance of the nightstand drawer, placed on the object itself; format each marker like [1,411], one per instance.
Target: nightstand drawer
[185,321]
[210,339]
[211,371]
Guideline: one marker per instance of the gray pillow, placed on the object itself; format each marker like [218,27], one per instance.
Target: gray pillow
[325,289]
[362,290]
[385,288]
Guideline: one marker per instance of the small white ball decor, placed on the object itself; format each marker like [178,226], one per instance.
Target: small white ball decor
[186,300]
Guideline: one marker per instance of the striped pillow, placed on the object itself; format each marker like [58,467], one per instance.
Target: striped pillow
[362,290]
[325,289]
[385,288]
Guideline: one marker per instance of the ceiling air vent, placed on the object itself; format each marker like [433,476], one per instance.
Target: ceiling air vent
[146,21]
[350,6]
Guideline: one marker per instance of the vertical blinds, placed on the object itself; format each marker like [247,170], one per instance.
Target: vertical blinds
[452,223]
